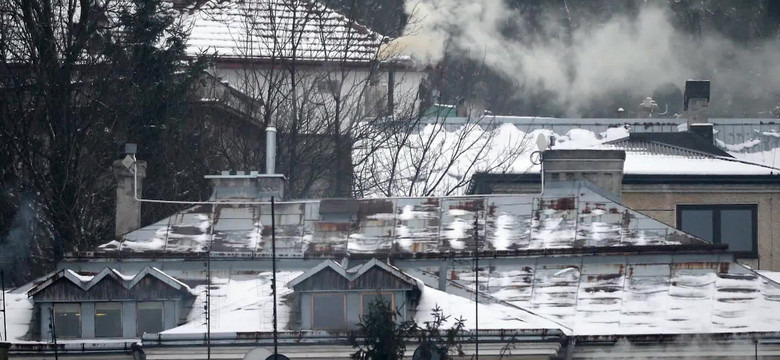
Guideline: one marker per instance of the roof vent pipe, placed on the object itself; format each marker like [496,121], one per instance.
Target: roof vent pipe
[270,150]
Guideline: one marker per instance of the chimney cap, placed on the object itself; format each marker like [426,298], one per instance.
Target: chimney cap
[131,148]
[696,89]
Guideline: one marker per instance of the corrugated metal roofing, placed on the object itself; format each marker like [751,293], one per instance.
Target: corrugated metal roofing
[634,294]
[571,215]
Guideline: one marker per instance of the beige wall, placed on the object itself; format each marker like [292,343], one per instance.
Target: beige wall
[660,202]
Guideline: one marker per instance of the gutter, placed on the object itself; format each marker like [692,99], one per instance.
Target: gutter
[74,346]
[315,337]
[550,252]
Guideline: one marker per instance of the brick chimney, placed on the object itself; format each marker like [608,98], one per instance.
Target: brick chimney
[128,209]
[603,168]
[696,104]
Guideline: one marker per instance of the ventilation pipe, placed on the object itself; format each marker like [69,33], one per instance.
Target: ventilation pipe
[270,150]
[129,175]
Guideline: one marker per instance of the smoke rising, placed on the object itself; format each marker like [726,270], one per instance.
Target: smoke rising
[633,53]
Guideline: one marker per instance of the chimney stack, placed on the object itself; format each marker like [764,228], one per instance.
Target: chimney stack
[696,104]
[252,186]
[603,168]
[128,209]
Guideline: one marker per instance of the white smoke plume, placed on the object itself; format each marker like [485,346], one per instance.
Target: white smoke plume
[626,53]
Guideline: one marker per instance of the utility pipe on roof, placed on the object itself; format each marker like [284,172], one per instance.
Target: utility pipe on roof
[270,150]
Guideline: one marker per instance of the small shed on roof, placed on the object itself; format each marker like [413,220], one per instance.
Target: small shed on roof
[334,298]
[108,304]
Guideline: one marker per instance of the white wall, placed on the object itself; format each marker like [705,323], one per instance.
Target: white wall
[354,85]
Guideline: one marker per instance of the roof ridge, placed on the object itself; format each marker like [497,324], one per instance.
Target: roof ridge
[128,284]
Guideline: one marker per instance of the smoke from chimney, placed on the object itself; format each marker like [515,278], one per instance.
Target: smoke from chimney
[632,54]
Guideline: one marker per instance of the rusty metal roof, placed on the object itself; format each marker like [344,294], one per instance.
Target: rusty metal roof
[633,294]
[569,216]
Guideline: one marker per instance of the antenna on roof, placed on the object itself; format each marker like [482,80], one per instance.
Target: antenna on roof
[476,284]
[273,276]
[4,311]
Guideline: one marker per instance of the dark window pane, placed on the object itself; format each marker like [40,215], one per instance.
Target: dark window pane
[328,312]
[67,320]
[697,223]
[108,319]
[370,297]
[150,318]
[736,229]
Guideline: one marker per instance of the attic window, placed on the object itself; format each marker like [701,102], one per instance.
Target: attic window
[329,311]
[150,317]
[67,320]
[108,319]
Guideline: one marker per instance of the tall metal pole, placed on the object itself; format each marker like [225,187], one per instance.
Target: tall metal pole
[5,311]
[53,332]
[273,269]
[208,290]
[476,286]
[208,303]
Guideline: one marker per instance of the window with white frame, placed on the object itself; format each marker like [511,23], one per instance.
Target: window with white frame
[67,320]
[328,311]
[108,319]
[149,317]
[735,225]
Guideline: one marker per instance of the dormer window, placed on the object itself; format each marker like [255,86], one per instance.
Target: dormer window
[109,304]
[108,319]
[335,298]
[67,320]
[329,311]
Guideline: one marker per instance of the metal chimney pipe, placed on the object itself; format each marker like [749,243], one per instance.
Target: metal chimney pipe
[270,150]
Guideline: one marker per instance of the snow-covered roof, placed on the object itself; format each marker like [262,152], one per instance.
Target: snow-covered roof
[568,217]
[753,139]
[648,157]
[86,282]
[639,295]
[303,30]
[242,303]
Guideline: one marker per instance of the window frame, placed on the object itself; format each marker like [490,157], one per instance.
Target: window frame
[716,223]
[58,332]
[344,308]
[138,317]
[375,293]
[95,322]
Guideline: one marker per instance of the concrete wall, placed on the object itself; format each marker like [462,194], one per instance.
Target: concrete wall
[353,307]
[171,314]
[660,202]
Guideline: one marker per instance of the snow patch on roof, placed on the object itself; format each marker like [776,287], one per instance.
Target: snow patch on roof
[491,315]
[240,303]
[19,310]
